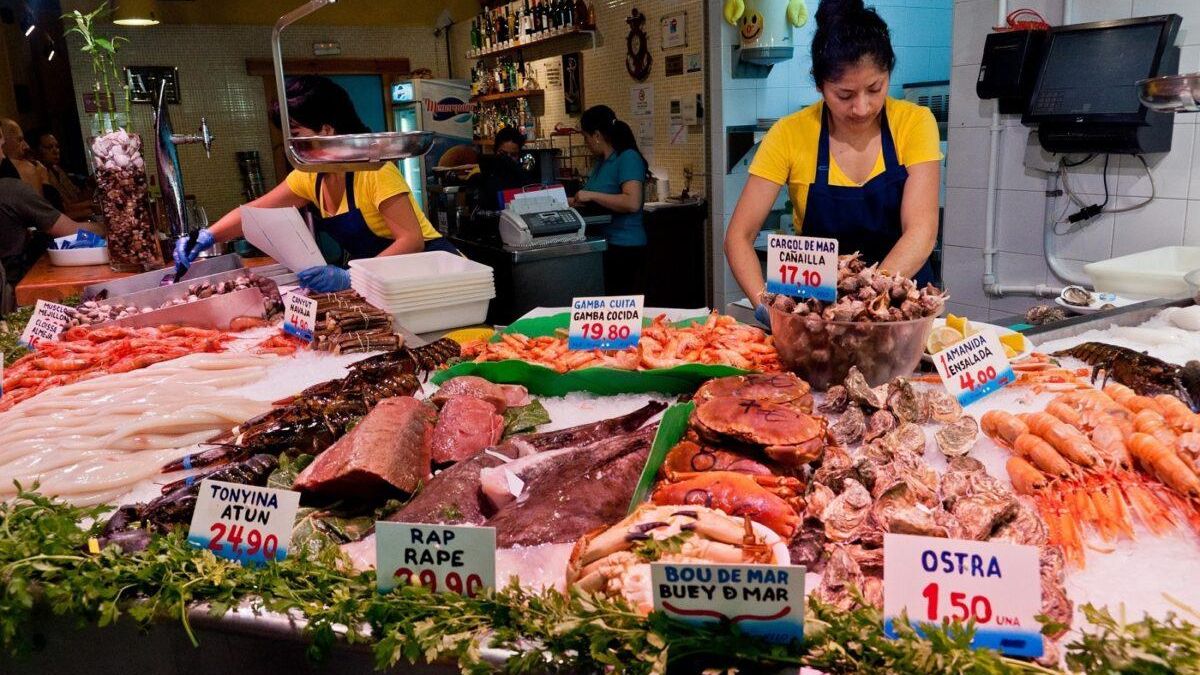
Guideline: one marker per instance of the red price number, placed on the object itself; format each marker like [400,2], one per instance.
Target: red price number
[981,377]
[453,582]
[789,274]
[236,535]
[596,331]
[964,608]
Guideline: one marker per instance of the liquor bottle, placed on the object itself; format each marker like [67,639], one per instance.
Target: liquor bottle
[537,18]
[511,22]
[568,12]
[580,13]
[502,30]
[521,72]
[526,21]
[489,32]
[591,14]
[558,14]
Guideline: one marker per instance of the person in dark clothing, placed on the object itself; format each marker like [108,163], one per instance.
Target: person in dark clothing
[27,223]
[501,171]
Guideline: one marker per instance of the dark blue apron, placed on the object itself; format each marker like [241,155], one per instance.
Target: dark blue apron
[351,232]
[866,218]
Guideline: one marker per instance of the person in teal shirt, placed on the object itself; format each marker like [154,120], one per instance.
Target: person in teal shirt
[617,185]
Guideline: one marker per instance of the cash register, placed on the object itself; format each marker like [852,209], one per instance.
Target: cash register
[538,218]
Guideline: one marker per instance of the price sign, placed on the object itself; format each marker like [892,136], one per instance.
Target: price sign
[612,322]
[804,267]
[299,316]
[763,600]
[46,324]
[442,558]
[974,367]
[243,522]
[996,585]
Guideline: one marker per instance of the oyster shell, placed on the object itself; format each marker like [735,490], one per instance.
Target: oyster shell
[847,512]
[906,402]
[841,574]
[942,406]
[900,511]
[958,438]
[850,426]
[1043,314]
[1026,527]
[836,399]
[980,513]
[861,391]
[880,422]
[906,439]
[836,464]
[1076,296]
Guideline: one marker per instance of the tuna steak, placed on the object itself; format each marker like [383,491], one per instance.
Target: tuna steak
[387,451]
[475,387]
[582,496]
[465,426]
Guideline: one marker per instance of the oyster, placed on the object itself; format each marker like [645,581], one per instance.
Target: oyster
[907,404]
[847,512]
[1055,603]
[841,575]
[1026,527]
[980,513]
[818,497]
[836,464]
[836,399]
[906,439]
[942,406]
[900,511]
[808,549]
[781,388]
[850,426]
[1042,314]
[958,438]
[1076,296]
[786,434]
[861,392]
[880,422]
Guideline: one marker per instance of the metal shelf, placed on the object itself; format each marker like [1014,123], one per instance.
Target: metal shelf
[513,47]
[507,96]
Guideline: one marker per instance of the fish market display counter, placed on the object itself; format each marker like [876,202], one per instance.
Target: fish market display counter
[697,444]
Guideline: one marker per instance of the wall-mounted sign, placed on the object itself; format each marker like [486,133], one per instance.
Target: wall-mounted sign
[144,82]
[674,65]
[674,30]
[572,77]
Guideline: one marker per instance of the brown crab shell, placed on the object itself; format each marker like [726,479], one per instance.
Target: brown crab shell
[786,434]
[780,388]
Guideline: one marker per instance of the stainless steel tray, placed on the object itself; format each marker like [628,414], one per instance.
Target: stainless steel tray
[1171,93]
[147,280]
[1130,315]
[213,312]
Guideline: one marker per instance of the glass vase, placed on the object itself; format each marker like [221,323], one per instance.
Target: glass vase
[124,200]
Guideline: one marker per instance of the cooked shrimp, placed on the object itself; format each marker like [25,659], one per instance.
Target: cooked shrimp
[1161,460]
[1109,441]
[1002,427]
[1042,455]
[1150,422]
[1025,477]
[1067,440]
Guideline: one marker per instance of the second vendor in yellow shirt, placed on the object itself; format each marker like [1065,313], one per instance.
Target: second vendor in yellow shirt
[368,213]
[860,167]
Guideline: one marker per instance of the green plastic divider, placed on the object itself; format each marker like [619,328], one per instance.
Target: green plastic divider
[670,430]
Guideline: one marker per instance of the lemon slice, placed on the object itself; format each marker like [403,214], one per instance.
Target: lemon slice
[1014,342]
[465,335]
[958,323]
[1009,352]
[942,337]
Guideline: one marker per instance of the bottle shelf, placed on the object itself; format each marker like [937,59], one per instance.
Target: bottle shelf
[507,96]
[550,36]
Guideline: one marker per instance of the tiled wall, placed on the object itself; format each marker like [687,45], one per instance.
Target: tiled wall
[921,38]
[1173,218]
[214,83]
[605,80]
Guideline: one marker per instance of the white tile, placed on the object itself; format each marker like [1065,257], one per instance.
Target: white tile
[973,20]
[962,275]
[966,158]
[1159,223]
[1014,175]
[1194,183]
[1051,10]
[1101,10]
[1018,269]
[1189,62]
[966,108]
[734,183]
[802,96]
[963,222]
[1021,215]
[970,311]
[1086,180]
[1191,231]
[1172,170]
[1092,242]
[741,107]
[1189,31]
[772,102]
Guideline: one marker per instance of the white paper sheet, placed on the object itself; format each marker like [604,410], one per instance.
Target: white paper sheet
[283,235]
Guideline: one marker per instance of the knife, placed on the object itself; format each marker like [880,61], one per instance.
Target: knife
[181,270]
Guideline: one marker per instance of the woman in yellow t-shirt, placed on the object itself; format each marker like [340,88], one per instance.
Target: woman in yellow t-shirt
[368,213]
[860,167]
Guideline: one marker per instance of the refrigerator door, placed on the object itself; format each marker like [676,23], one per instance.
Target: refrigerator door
[407,118]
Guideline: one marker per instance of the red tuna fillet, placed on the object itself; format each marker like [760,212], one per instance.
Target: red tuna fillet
[465,426]
[388,450]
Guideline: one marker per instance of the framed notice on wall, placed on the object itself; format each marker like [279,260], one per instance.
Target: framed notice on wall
[674,30]
[572,83]
[144,82]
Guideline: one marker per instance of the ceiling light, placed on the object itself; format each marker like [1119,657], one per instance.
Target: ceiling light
[136,13]
[50,56]
[29,31]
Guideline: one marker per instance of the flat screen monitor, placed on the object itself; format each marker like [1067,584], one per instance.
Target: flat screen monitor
[1091,70]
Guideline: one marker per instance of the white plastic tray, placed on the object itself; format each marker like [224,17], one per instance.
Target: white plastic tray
[400,272]
[423,304]
[419,294]
[77,257]
[1157,273]
[442,317]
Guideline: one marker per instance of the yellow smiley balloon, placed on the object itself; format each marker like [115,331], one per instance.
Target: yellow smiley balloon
[797,13]
[733,11]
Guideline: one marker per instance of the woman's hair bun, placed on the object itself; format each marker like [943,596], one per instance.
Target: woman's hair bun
[832,11]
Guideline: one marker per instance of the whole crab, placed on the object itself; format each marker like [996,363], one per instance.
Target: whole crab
[786,434]
[781,388]
[773,501]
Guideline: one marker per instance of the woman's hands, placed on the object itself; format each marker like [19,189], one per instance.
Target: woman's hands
[184,256]
[324,278]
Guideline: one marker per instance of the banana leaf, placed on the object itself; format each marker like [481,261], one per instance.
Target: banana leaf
[670,430]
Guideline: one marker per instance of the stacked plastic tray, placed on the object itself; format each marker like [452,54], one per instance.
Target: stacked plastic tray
[426,291]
